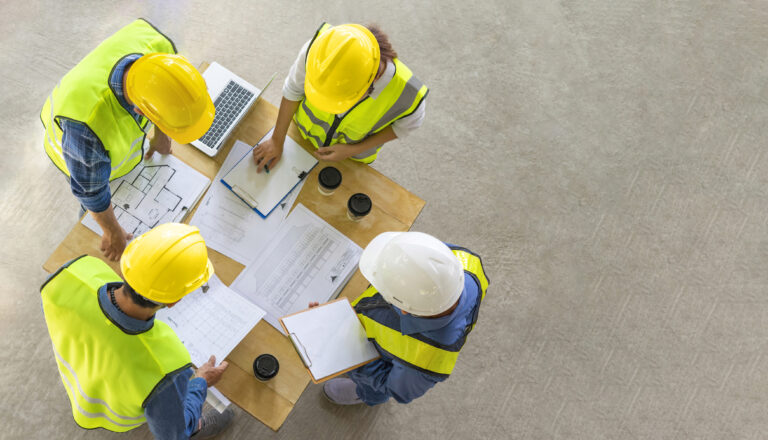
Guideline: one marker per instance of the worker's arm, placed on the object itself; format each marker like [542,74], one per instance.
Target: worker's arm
[338,152]
[90,167]
[114,238]
[173,409]
[270,151]
[160,142]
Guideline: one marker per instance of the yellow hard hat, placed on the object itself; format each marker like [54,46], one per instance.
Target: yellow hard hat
[167,262]
[341,65]
[172,94]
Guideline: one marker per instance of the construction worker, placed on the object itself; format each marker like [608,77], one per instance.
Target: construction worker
[120,366]
[423,301]
[97,118]
[348,94]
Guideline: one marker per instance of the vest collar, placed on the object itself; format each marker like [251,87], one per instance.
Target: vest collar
[411,324]
[116,82]
[127,324]
[381,83]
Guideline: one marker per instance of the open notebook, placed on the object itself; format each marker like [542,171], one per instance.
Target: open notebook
[264,191]
[329,339]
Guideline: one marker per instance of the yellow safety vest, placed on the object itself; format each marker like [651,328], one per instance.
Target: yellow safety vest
[84,95]
[382,325]
[108,374]
[399,98]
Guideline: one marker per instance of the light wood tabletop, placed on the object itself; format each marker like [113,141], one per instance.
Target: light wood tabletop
[394,209]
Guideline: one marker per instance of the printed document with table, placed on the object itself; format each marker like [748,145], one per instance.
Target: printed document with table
[265,190]
[329,339]
[308,260]
[229,225]
[212,320]
[160,189]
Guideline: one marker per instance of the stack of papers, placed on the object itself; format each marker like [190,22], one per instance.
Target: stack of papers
[231,227]
[308,260]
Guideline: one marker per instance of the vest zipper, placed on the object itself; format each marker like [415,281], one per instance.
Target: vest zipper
[329,136]
[337,121]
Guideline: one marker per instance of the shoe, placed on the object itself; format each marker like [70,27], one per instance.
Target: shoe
[214,423]
[341,391]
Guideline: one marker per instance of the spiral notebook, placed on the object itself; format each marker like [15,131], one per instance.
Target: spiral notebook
[330,339]
[263,191]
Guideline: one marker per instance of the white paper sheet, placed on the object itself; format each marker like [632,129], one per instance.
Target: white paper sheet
[308,260]
[228,225]
[212,322]
[330,338]
[159,190]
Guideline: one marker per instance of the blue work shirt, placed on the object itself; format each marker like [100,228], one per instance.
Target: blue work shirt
[388,377]
[87,160]
[174,406]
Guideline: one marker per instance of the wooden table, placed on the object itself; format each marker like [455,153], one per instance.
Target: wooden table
[394,209]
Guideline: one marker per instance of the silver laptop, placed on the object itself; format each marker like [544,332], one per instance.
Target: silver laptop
[232,96]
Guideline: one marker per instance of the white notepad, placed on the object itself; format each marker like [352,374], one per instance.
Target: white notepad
[329,339]
[263,191]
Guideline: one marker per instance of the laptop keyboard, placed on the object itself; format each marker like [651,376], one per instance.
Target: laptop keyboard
[228,105]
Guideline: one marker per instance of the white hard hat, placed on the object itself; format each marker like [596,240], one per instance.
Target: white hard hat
[414,271]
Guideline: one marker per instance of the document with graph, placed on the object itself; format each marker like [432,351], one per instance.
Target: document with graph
[212,320]
[308,260]
[159,190]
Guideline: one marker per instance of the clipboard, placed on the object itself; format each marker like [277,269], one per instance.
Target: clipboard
[339,341]
[263,192]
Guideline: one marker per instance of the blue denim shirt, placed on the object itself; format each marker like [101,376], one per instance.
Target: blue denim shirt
[87,160]
[388,377]
[174,407]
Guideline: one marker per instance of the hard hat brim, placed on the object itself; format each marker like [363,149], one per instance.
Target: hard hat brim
[193,132]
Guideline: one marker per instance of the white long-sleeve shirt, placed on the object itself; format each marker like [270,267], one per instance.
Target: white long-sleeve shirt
[293,89]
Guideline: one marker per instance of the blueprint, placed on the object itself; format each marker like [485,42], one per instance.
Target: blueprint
[159,190]
[228,225]
[212,320]
[308,260]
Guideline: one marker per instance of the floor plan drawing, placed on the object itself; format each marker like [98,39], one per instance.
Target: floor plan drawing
[159,190]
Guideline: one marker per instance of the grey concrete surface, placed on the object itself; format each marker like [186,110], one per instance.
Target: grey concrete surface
[606,158]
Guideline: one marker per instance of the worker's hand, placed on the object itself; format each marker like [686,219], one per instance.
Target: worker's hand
[113,243]
[160,143]
[334,153]
[267,153]
[313,304]
[209,372]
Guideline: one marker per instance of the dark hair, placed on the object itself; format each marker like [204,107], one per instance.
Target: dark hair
[138,299]
[387,53]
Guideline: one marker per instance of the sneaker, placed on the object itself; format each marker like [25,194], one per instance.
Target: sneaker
[341,391]
[214,423]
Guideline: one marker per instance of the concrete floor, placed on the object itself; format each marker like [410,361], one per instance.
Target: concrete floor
[605,158]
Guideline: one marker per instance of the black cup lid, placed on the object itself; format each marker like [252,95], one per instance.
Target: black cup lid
[265,366]
[359,204]
[330,177]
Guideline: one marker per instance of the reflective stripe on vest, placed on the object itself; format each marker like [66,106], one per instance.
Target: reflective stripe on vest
[83,95]
[399,98]
[107,373]
[382,325]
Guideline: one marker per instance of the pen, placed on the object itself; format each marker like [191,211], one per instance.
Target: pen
[266,168]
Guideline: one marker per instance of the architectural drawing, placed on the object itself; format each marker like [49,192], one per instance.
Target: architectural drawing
[159,190]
